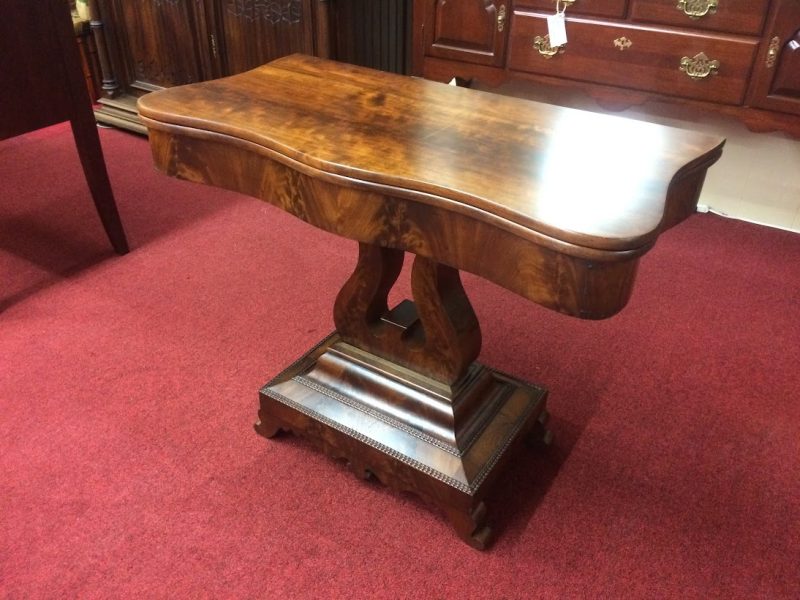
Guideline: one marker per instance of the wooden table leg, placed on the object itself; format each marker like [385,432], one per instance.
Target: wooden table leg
[399,395]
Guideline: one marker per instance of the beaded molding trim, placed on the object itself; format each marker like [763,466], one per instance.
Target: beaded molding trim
[438,475]
[370,442]
[396,423]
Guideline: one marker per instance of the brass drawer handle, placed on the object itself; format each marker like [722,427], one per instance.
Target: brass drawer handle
[695,9]
[501,18]
[699,67]
[542,44]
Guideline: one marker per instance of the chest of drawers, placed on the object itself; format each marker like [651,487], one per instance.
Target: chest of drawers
[741,57]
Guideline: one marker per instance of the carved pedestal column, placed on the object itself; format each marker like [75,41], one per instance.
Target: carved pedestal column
[399,395]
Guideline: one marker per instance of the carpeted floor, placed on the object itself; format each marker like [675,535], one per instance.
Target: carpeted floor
[128,389]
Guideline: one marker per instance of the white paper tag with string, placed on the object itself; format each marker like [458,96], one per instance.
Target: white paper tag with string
[556,28]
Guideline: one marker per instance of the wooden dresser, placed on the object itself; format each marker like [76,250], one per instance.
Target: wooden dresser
[740,57]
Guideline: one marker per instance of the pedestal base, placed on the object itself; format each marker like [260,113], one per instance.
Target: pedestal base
[445,444]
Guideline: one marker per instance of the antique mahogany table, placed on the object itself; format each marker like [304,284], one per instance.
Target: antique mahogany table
[554,204]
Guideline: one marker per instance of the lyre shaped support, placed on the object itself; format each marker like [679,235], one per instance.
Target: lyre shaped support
[438,337]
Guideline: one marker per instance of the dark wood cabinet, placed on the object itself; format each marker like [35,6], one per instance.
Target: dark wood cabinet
[252,33]
[372,33]
[471,30]
[157,42]
[740,57]
[151,44]
[776,84]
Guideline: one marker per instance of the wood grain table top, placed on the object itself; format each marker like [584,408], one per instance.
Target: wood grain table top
[596,181]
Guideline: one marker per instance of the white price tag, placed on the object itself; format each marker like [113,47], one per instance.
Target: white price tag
[557,29]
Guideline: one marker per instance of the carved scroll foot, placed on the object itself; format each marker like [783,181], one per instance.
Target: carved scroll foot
[471,526]
[267,427]
[540,435]
[359,468]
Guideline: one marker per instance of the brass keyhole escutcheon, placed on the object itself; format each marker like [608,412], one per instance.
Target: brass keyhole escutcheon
[501,18]
[622,43]
[773,51]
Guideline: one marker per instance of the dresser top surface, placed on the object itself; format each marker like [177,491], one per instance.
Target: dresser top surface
[581,178]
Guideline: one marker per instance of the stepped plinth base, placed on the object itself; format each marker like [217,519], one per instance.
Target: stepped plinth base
[445,444]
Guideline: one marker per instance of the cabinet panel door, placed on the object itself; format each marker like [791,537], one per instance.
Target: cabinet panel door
[255,32]
[156,42]
[468,30]
[776,81]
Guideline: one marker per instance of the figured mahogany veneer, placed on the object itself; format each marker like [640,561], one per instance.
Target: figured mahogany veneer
[554,204]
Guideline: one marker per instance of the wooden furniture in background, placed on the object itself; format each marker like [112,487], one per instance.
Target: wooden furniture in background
[740,57]
[90,65]
[145,46]
[372,33]
[776,86]
[463,180]
[41,83]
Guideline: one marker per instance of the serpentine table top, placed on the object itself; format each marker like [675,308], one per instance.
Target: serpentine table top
[554,204]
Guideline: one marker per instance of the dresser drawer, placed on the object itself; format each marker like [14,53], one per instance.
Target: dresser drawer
[637,57]
[599,8]
[731,16]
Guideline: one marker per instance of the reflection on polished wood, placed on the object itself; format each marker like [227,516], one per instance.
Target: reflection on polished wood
[553,204]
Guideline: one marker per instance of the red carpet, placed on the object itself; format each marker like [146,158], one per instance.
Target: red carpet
[128,389]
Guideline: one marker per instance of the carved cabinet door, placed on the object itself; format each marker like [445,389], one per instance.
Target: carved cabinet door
[156,43]
[253,32]
[473,31]
[776,79]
